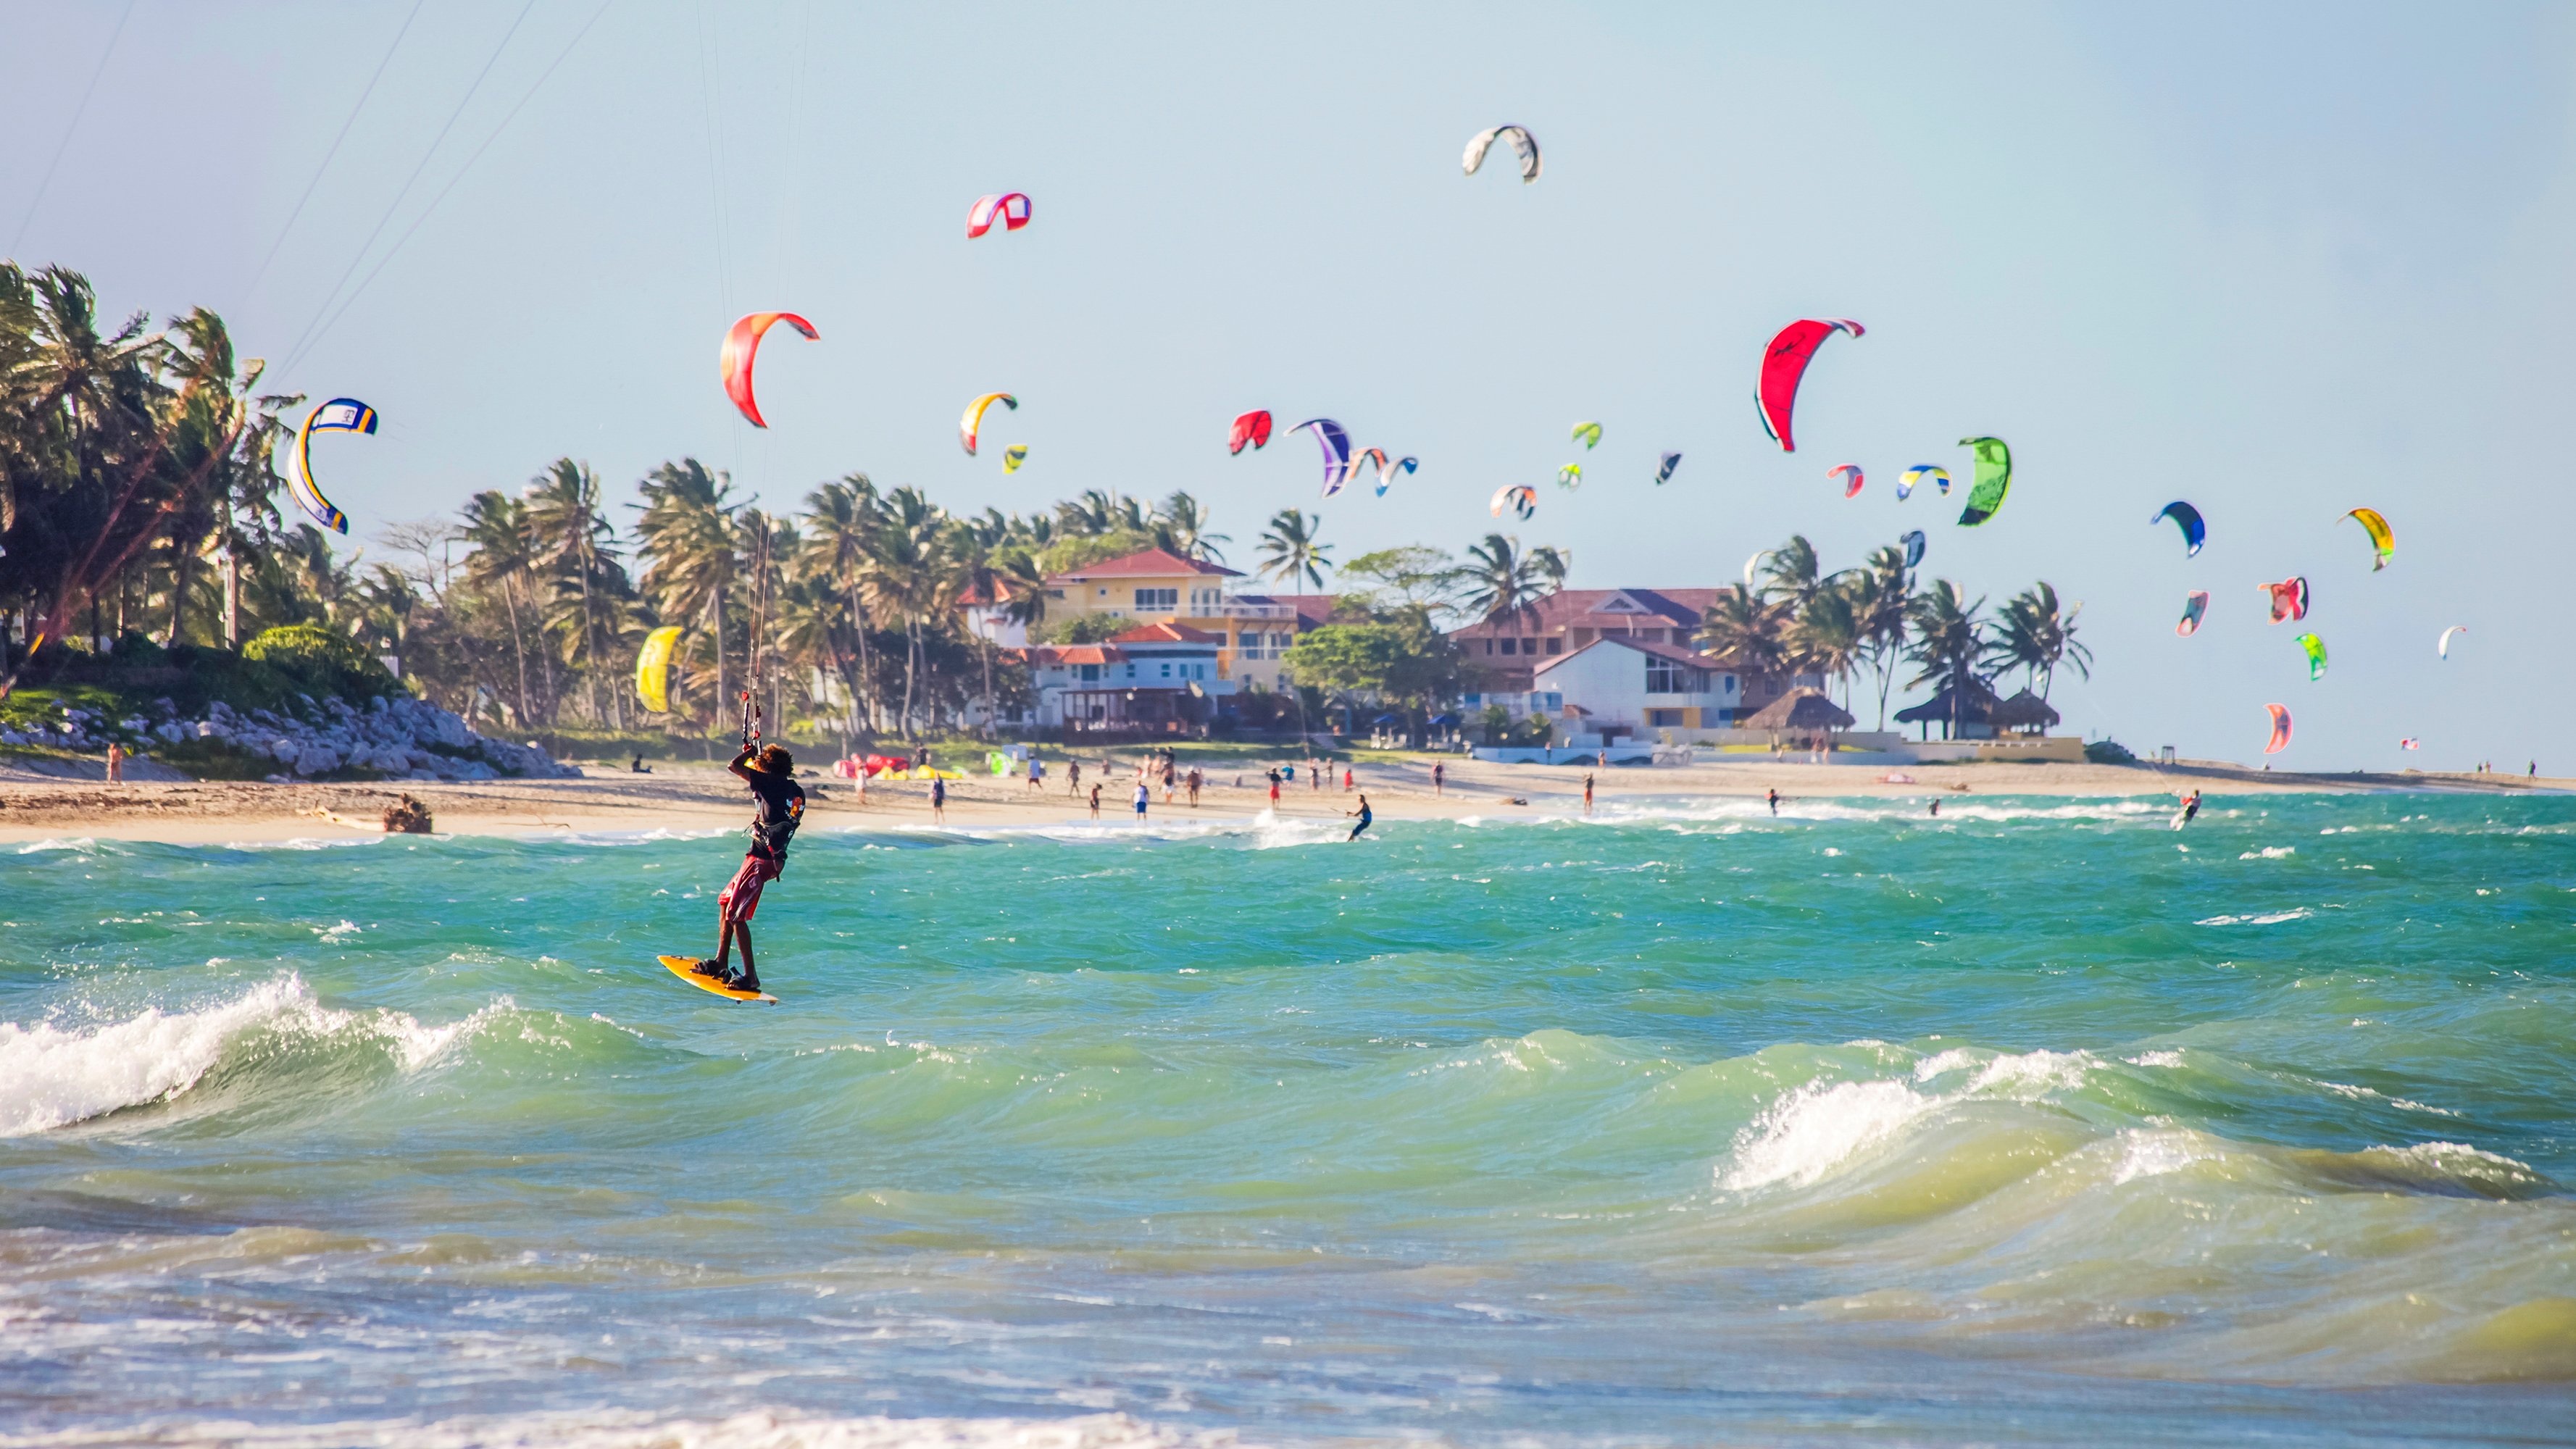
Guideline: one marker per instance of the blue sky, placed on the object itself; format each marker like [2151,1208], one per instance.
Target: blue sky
[2278,261]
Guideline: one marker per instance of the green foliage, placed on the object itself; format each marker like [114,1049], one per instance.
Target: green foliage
[2108,752]
[322,662]
[1084,550]
[1081,629]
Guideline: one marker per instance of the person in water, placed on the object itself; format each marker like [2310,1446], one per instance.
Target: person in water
[2190,806]
[1365,815]
[1774,797]
[778,807]
[1587,794]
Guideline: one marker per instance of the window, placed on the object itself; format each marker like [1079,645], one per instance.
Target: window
[1555,646]
[1511,646]
[1658,717]
[1489,643]
[1157,601]
[1167,671]
[1665,677]
[1131,671]
[1091,674]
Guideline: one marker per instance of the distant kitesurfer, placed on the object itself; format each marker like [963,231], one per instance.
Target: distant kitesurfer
[1365,815]
[1936,809]
[2190,808]
[778,808]
[1774,797]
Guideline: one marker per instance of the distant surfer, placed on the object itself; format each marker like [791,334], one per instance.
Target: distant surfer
[1365,815]
[778,808]
[1774,797]
[2190,808]
[1936,809]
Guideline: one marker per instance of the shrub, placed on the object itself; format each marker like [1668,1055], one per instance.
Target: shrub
[2108,752]
[322,662]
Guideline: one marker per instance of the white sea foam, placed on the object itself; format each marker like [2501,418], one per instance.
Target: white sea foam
[2145,1153]
[2272,919]
[2271,852]
[52,1075]
[1816,1129]
[620,1429]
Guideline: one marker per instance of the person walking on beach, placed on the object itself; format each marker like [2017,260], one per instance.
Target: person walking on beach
[1195,780]
[1315,775]
[1073,777]
[1439,772]
[115,763]
[1346,779]
[938,800]
[1274,791]
[1095,799]
[1037,772]
[1365,816]
[1774,797]
[1587,793]
[1143,795]
[1168,771]
[778,808]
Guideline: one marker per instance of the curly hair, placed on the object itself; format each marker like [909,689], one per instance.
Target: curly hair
[775,760]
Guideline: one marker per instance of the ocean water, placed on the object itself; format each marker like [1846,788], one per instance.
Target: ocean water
[2038,1123]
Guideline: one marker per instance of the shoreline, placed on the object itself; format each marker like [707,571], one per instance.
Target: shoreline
[683,797]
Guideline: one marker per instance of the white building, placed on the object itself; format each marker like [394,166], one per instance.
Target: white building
[1156,679]
[1624,687]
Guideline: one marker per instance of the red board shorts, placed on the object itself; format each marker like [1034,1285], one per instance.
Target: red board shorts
[742,895]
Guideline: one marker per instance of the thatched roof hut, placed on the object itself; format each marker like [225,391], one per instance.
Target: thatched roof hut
[2025,712]
[1804,709]
[1955,709]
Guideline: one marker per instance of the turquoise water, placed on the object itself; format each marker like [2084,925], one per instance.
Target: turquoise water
[2038,1123]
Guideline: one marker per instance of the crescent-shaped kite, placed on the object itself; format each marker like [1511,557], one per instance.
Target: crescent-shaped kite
[2280,729]
[1784,363]
[2316,651]
[1013,456]
[1570,477]
[974,418]
[2289,599]
[1921,473]
[1252,429]
[2442,646]
[1336,444]
[2194,605]
[1588,434]
[1386,468]
[339,415]
[2410,743]
[1849,476]
[742,345]
[1010,208]
[1753,563]
[2187,518]
[2383,544]
[653,669]
[1520,498]
[1913,540]
[1994,480]
[1524,145]
[1664,469]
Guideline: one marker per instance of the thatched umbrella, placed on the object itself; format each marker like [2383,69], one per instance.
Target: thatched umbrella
[1802,709]
[1953,708]
[2025,711]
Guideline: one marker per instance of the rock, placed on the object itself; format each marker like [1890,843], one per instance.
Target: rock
[317,759]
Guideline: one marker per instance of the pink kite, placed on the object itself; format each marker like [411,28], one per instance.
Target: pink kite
[1252,428]
[2280,729]
[2289,599]
[1784,364]
[1010,208]
[741,345]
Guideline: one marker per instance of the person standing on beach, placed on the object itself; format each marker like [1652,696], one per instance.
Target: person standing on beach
[1587,793]
[1073,777]
[1037,772]
[115,763]
[1143,796]
[1274,791]
[1195,780]
[1346,779]
[1095,799]
[1315,773]
[1439,772]
[1365,816]
[938,800]
[1168,771]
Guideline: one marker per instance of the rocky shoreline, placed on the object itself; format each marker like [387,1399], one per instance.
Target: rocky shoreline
[395,738]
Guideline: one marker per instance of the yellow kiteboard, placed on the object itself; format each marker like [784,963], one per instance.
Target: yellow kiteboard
[693,971]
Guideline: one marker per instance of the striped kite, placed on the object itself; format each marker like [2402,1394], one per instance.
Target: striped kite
[339,415]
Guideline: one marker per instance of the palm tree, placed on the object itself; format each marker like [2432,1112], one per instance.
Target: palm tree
[496,525]
[2037,637]
[1499,578]
[1880,589]
[1745,631]
[569,537]
[1790,576]
[687,537]
[1950,644]
[1827,636]
[841,518]
[1290,552]
[908,577]
[1184,529]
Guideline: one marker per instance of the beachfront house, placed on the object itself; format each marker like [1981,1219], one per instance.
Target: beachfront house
[1252,631]
[1155,679]
[1624,657]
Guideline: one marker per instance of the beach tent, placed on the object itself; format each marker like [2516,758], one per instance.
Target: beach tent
[1804,710]
[1961,713]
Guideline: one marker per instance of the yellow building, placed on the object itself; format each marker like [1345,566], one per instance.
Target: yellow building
[1159,586]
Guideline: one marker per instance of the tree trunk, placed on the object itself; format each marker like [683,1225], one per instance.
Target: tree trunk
[182,557]
[911,664]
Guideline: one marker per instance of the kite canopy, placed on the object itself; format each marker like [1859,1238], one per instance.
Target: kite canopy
[1921,473]
[1913,541]
[2410,744]
[1337,451]
[2289,599]
[2442,646]
[968,425]
[2193,606]
[653,668]
[1664,469]
[1994,480]
[2382,542]
[339,415]
[2187,518]
[1013,456]
[1849,476]
[1251,428]
[1792,348]
[1570,476]
[2316,649]
[1524,145]
[1520,498]
[1386,471]
[2280,729]
[1589,434]
[1010,208]
[742,345]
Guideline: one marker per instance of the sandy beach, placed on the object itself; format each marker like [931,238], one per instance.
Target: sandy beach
[695,797]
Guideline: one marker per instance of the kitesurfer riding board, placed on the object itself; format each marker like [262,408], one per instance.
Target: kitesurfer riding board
[779,808]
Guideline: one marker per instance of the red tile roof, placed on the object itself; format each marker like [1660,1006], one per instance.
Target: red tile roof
[1054,654]
[1150,563]
[1166,634]
[1567,607]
